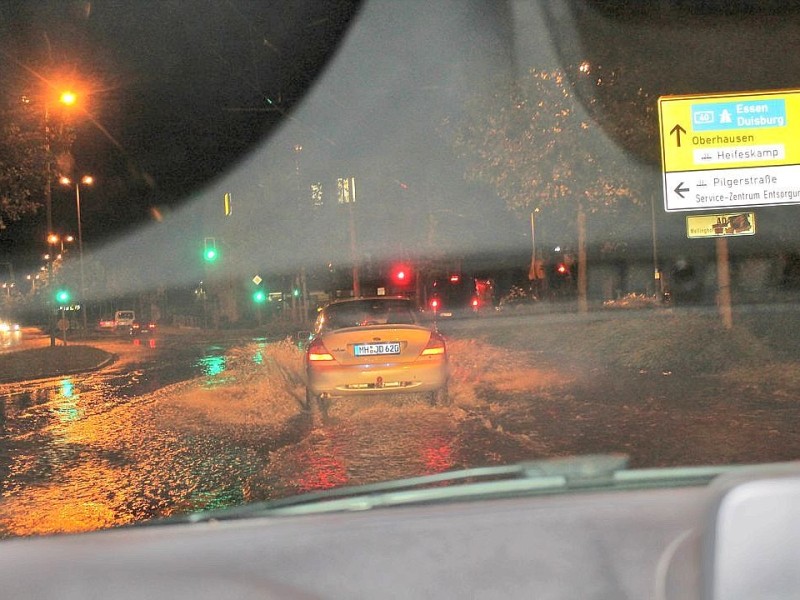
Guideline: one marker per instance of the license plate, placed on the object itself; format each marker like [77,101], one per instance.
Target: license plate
[380,349]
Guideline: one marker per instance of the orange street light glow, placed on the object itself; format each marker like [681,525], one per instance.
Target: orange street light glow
[67,97]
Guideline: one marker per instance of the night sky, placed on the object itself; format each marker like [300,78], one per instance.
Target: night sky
[190,100]
[173,92]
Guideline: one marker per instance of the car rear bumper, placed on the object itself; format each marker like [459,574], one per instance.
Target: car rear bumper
[351,380]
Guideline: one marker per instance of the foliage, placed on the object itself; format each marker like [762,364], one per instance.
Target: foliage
[24,152]
[22,166]
[518,295]
[536,144]
[632,300]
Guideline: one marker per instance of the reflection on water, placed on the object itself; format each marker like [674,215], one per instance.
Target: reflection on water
[364,441]
[66,402]
[212,365]
[10,338]
[93,451]
[151,342]
[438,456]
[323,469]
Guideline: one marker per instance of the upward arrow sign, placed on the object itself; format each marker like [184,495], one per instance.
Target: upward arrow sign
[677,130]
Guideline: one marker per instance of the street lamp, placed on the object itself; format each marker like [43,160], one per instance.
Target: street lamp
[85,180]
[66,98]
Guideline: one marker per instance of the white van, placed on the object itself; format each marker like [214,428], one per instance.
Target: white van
[124,319]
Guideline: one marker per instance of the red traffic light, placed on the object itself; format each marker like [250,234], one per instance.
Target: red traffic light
[562,269]
[401,275]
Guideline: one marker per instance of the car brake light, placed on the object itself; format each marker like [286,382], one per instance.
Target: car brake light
[317,352]
[435,345]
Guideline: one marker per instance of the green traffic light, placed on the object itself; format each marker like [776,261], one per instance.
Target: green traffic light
[295,292]
[259,297]
[62,296]
[210,254]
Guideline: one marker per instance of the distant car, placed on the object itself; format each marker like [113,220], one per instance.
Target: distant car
[8,326]
[374,346]
[142,328]
[455,296]
[106,323]
[124,319]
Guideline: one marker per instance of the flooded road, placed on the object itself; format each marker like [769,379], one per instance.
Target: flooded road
[82,451]
[191,427]
[184,426]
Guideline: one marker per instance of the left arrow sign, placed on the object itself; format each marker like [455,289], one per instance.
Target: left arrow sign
[679,190]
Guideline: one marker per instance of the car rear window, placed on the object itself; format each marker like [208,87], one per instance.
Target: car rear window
[367,313]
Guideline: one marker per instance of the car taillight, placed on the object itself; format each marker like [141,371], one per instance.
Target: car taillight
[435,345]
[475,303]
[317,351]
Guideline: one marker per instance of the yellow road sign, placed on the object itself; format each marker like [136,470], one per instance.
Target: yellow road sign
[730,150]
[720,225]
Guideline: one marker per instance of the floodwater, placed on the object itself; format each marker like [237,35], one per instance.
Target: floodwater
[194,426]
[205,427]
[82,451]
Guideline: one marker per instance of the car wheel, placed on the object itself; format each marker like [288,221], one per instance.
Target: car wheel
[323,404]
[440,397]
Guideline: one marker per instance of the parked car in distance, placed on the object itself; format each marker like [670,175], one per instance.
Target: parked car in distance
[7,326]
[142,328]
[124,319]
[106,323]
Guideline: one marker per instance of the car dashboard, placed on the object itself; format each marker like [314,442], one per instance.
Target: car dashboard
[737,537]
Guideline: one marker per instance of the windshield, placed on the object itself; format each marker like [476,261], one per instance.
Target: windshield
[586,208]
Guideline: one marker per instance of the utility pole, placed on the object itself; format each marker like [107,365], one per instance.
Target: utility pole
[48,200]
[347,195]
[724,283]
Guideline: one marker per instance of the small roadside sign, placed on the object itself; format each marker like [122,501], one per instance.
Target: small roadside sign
[730,150]
[720,225]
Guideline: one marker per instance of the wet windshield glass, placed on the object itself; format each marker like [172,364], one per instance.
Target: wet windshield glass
[587,208]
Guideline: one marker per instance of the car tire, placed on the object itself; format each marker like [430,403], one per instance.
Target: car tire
[440,397]
[323,404]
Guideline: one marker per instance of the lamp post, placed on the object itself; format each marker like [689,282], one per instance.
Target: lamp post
[66,98]
[85,180]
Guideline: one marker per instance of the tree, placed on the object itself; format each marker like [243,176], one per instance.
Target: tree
[22,163]
[539,147]
[25,150]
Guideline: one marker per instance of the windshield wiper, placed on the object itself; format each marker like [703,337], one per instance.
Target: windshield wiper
[543,476]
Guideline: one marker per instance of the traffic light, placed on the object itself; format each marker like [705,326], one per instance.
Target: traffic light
[62,296]
[562,269]
[401,275]
[259,296]
[210,253]
[296,292]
